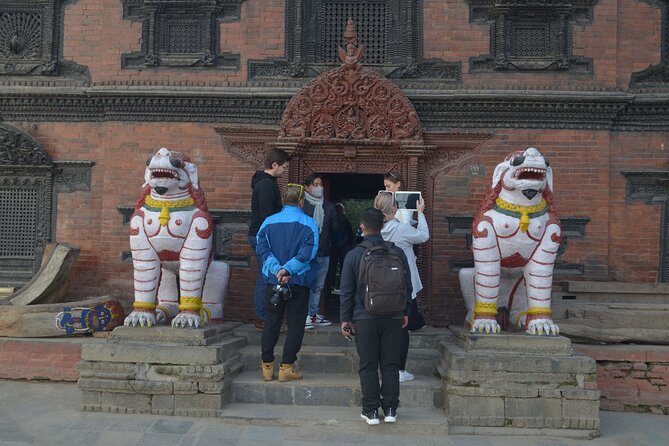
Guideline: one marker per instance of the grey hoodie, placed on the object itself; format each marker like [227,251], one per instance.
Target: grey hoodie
[404,236]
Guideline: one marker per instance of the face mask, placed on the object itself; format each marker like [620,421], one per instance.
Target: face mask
[317,191]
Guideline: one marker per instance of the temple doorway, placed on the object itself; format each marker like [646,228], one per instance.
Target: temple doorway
[356,191]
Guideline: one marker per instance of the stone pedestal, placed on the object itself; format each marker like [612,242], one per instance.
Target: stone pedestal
[511,383]
[161,370]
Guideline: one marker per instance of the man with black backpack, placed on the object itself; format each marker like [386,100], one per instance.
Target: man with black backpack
[374,300]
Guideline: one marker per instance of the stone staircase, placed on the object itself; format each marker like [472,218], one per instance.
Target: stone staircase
[329,393]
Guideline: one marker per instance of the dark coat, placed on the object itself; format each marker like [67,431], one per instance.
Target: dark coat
[325,241]
[265,201]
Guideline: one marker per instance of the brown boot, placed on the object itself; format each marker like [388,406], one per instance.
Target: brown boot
[288,372]
[267,370]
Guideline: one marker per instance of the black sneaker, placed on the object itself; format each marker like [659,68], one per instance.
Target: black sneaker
[390,415]
[371,417]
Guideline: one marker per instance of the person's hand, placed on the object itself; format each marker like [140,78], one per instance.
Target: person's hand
[405,321]
[282,276]
[347,329]
[420,205]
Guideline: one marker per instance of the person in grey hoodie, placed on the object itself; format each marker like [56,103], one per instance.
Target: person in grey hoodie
[404,236]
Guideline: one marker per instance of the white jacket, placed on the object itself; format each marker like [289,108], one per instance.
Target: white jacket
[405,236]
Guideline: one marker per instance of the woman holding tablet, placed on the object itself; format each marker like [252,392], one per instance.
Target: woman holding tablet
[404,236]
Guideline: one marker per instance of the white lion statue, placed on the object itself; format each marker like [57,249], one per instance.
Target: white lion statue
[515,240]
[171,236]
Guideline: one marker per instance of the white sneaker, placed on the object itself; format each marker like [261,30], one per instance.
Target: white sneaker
[405,376]
[307,324]
[320,321]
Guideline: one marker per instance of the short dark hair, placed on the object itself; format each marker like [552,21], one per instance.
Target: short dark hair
[372,220]
[276,155]
[308,181]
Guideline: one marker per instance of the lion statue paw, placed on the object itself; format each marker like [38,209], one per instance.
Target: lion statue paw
[542,327]
[189,320]
[485,326]
[140,318]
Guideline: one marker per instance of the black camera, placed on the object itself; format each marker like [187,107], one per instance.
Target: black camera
[279,292]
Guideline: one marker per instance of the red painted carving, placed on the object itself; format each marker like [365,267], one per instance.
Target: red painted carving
[351,103]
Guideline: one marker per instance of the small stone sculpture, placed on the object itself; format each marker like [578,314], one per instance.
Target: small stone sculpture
[515,240]
[171,235]
[104,316]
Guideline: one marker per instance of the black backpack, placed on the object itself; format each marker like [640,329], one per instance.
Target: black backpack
[383,279]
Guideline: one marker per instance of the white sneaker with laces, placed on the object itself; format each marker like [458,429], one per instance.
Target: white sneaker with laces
[405,376]
[320,321]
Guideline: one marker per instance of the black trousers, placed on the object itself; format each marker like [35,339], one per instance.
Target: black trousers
[404,348]
[296,308]
[378,344]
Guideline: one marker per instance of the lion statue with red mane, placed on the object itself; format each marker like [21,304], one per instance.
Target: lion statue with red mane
[171,234]
[515,239]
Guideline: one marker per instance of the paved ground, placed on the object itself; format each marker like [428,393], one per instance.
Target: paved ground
[39,413]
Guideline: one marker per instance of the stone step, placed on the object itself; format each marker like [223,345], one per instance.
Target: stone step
[424,392]
[428,337]
[163,354]
[335,419]
[321,359]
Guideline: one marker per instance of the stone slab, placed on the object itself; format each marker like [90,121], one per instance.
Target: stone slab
[51,282]
[152,354]
[37,321]
[168,335]
[514,343]
[457,358]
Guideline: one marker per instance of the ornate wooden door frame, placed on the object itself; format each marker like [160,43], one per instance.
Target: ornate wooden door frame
[354,120]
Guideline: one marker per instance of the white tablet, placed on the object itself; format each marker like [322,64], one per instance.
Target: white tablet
[407,200]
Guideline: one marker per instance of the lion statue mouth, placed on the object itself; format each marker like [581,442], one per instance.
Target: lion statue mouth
[165,174]
[530,173]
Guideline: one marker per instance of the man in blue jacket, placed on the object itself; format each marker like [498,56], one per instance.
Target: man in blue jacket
[287,243]
[377,338]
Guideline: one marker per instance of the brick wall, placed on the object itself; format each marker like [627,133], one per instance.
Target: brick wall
[631,378]
[624,37]
[45,359]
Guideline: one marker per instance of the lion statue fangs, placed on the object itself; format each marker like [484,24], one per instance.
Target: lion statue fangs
[171,234]
[515,239]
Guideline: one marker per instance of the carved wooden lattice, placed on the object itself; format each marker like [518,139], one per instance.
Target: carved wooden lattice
[29,37]
[531,35]
[391,32]
[372,19]
[26,184]
[351,103]
[181,33]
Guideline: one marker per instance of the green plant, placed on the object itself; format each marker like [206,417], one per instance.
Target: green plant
[354,208]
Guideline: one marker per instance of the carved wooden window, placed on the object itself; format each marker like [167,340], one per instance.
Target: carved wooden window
[26,185]
[531,35]
[372,19]
[390,30]
[656,75]
[181,33]
[29,37]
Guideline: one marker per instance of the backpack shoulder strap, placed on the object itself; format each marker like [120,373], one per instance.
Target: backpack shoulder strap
[365,244]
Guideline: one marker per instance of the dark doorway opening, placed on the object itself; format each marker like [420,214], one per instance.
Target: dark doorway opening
[347,186]
[356,192]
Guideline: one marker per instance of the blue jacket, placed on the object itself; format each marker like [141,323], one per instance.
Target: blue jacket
[289,240]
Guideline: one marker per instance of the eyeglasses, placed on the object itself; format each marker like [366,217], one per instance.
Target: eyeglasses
[285,165]
[297,185]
